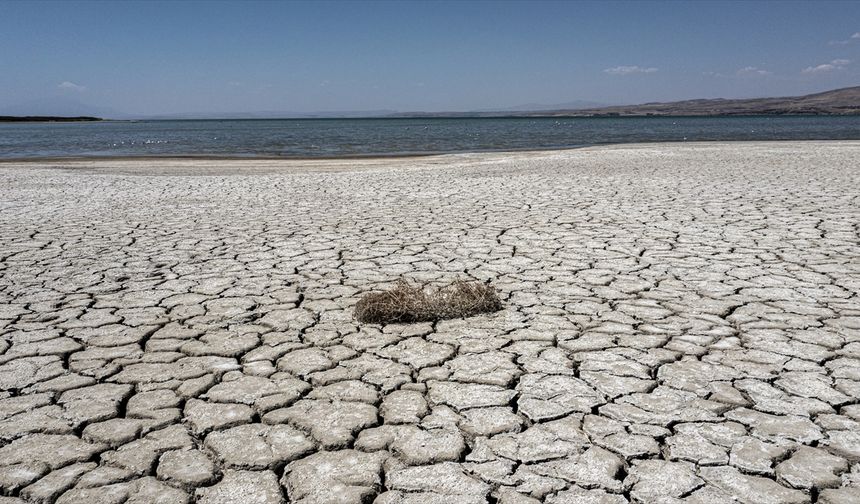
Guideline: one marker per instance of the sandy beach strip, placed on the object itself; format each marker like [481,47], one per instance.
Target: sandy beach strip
[681,321]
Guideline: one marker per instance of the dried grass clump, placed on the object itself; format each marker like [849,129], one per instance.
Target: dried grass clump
[408,303]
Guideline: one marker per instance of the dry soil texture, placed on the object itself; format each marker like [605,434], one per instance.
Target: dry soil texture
[681,324]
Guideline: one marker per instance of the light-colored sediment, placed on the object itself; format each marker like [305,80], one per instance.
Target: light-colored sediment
[681,324]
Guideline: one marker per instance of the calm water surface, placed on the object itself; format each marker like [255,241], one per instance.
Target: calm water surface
[358,137]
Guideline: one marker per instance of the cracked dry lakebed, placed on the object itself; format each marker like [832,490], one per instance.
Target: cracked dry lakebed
[680,323]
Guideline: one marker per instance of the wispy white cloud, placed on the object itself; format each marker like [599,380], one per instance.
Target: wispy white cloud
[627,70]
[852,38]
[826,67]
[837,64]
[751,70]
[71,86]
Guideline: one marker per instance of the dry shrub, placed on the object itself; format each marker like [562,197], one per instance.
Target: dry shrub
[409,303]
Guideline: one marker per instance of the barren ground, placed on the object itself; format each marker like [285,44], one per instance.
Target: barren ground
[681,324]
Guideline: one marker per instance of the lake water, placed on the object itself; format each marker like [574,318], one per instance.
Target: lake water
[393,136]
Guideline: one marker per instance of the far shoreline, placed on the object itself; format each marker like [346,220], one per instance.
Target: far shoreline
[47,119]
[420,116]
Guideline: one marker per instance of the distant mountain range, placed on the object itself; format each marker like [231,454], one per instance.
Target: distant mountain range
[529,107]
[844,101]
[538,107]
[275,115]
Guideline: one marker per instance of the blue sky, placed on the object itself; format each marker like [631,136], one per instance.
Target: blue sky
[176,57]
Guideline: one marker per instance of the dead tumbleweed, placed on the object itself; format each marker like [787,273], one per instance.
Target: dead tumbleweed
[410,303]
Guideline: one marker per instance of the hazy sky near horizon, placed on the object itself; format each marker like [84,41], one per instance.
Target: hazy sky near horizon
[179,57]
